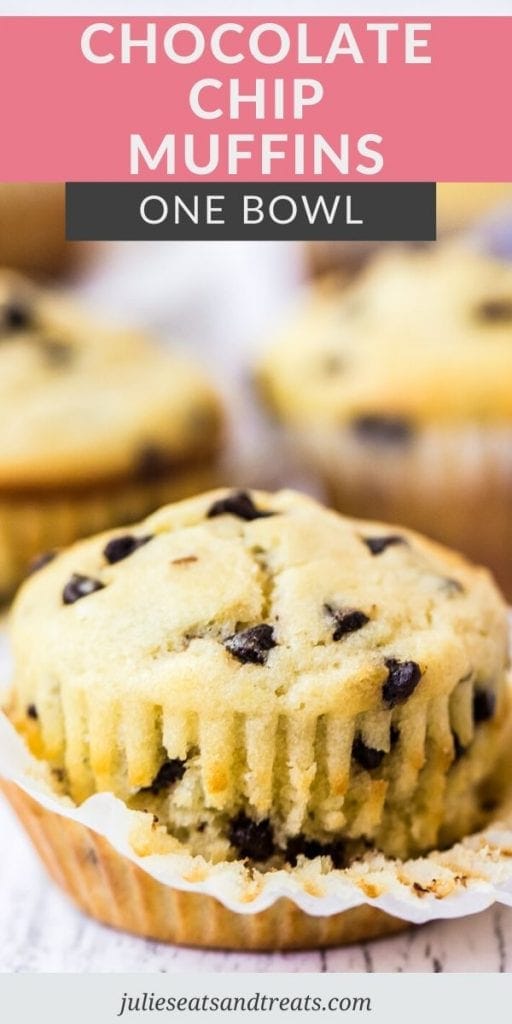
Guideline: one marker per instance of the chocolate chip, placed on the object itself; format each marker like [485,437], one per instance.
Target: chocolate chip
[120,547]
[252,645]
[80,586]
[403,678]
[497,310]
[420,889]
[252,839]
[32,712]
[40,561]
[451,586]
[152,463]
[376,429]
[301,846]
[170,772]
[394,735]
[57,353]
[239,504]
[484,704]
[347,620]
[489,804]
[379,544]
[458,749]
[15,315]
[367,757]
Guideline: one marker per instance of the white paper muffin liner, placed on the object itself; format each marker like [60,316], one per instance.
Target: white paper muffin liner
[465,879]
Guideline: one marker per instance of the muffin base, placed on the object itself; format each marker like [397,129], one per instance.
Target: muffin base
[37,522]
[112,889]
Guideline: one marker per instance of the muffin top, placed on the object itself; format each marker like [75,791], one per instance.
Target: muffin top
[421,336]
[258,603]
[80,403]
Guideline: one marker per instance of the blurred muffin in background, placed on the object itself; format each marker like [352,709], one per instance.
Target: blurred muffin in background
[459,207]
[397,390]
[32,228]
[97,426]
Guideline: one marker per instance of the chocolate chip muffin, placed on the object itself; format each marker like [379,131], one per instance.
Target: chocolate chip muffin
[97,426]
[397,391]
[267,681]
[460,206]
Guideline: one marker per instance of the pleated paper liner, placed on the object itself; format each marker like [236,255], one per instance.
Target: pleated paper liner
[90,851]
[113,889]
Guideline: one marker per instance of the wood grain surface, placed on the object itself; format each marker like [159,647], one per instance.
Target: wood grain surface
[41,931]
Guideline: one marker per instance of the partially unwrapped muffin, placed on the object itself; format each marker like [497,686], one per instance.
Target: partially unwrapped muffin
[97,426]
[268,679]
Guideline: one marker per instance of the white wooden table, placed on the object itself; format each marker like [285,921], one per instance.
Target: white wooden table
[41,931]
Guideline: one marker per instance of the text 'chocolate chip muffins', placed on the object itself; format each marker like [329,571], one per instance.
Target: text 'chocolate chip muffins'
[398,393]
[269,680]
[97,426]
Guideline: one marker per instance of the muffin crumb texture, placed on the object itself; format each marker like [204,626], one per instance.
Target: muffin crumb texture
[268,680]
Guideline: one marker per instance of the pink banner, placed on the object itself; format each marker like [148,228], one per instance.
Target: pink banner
[390,99]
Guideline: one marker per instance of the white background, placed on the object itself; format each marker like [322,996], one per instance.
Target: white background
[262,7]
